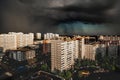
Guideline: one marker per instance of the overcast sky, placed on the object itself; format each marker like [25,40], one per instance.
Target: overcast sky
[60,16]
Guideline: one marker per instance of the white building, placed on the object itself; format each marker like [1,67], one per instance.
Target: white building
[23,39]
[110,38]
[14,40]
[82,48]
[75,44]
[51,36]
[90,52]
[38,35]
[8,41]
[63,54]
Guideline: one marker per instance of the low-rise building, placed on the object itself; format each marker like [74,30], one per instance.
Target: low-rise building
[21,55]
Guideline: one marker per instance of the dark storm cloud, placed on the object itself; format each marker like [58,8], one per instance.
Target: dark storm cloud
[45,15]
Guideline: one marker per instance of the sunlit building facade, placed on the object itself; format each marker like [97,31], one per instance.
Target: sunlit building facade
[38,35]
[62,54]
[51,36]
[14,40]
[23,39]
[8,41]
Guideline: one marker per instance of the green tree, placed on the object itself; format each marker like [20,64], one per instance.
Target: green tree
[66,74]
[77,64]
[44,67]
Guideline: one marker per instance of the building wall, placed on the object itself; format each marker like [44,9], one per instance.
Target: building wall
[23,39]
[8,41]
[21,55]
[30,54]
[62,54]
[14,40]
[112,38]
[46,46]
[90,52]
[38,35]
[51,36]
[82,48]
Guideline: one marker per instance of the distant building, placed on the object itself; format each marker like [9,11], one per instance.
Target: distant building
[12,40]
[8,41]
[82,48]
[21,55]
[23,39]
[109,48]
[109,38]
[37,48]
[51,36]
[38,35]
